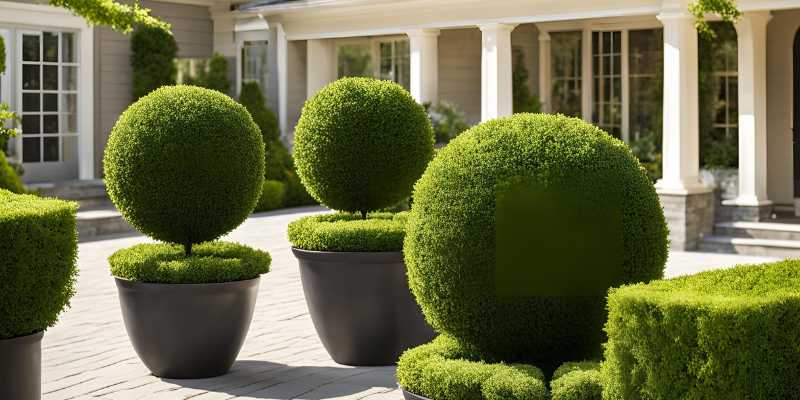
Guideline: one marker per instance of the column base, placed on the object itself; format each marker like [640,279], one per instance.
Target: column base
[690,216]
[736,210]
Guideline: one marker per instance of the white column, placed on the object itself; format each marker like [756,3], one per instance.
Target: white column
[282,50]
[321,65]
[496,66]
[424,48]
[544,71]
[681,156]
[752,37]
[86,105]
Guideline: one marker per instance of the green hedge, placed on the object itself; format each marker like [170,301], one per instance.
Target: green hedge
[153,52]
[185,164]
[724,334]
[361,143]
[9,179]
[272,196]
[253,100]
[211,262]
[37,266]
[444,370]
[349,232]
[451,244]
[577,381]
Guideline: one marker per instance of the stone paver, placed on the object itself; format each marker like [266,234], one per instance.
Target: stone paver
[87,354]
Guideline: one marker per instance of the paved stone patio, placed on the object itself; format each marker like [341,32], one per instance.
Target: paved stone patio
[87,354]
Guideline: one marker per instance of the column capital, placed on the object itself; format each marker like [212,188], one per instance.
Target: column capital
[427,32]
[544,36]
[495,27]
[758,19]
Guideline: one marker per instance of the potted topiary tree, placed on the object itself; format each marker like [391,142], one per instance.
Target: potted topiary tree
[37,279]
[185,165]
[360,145]
[518,229]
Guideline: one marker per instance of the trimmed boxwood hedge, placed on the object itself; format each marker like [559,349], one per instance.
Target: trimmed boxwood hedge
[212,262]
[273,194]
[450,240]
[37,266]
[577,381]
[444,370]
[361,143]
[349,232]
[185,164]
[724,334]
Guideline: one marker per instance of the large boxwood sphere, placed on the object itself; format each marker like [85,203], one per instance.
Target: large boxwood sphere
[185,164]
[361,144]
[451,247]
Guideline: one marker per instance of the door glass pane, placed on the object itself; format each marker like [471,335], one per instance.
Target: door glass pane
[50,102]
[254,62]
[70,78]
[646,66]
[30,48]
[31,149]
[607,99]
[31,124]
[30,77]
[68,47]
[50,77]
[50,124]
[30,102]
[51,149]
[718,87]
[50,46]
[565,66]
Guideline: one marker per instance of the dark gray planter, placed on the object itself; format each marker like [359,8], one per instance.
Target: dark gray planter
[362,308]
[21,367]
[187,331]
[411,396]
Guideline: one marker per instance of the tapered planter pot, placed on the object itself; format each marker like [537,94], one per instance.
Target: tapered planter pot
[187,331]
[21,367]
[411,396]
[361,306]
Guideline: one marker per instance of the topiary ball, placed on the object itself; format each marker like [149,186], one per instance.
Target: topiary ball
[518,278]
[361,144]
[185,164]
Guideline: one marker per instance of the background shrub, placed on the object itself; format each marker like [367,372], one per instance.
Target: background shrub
[349,232]
[153,59]
[361,144]
[211,262]
[212,74]
[273,194]
[37,267]
[447,121]
[724,334]
[577,381]
[450,245]
[185,164]
[253,100]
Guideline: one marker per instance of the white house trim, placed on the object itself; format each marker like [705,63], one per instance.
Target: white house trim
[424,57]
[496,71]
[282,62]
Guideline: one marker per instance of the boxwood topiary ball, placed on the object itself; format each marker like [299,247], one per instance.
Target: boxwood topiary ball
[515,276]
[185,164]
[361,144]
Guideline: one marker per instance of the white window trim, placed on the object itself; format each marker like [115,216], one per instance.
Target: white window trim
[624,25]
[43,17]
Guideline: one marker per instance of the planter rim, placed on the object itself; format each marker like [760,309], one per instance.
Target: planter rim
[372,257]
[33,337]
[413,395]
[130,284]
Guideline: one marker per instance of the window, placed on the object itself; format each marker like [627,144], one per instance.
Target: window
[565,64]
[646,77]
[49,96]
[719,85]
[607,81]
[354,60]
[394,62]
[254,62]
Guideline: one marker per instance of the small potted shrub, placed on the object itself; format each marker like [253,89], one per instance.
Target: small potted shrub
[360,145]
[518,228]
[185,165]
[37,279]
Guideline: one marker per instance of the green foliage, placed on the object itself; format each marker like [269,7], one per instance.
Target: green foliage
[211,262]
[37,269]
[279,162]
[444,370]
[213,74]
[447,121]
[153,59]
[723,334]
[253,100]
[7,117]
[577,381]
[2,55]
[185,164]
[349,232]
[9,179]
[272,197]
[296,193]
[450,246]
[120,17]
[726,9]
[647,150]
[361,144]
[524,100]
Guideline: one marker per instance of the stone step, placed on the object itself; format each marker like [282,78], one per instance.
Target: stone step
[88,194]
[751,246]
[758,230]
[96,222]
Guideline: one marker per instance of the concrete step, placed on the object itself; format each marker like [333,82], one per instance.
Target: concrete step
[96,222]
[751,246]
[758,230]
[89,194]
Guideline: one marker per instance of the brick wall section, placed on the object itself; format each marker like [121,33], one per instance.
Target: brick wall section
[689,218]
